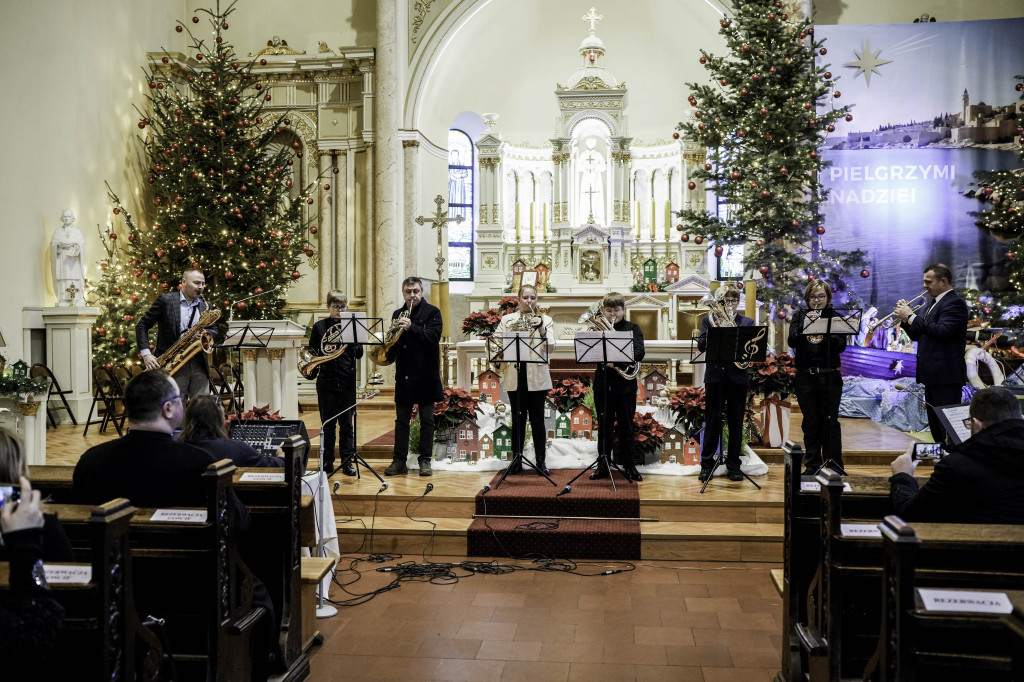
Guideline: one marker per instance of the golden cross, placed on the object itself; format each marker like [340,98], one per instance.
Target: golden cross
[438,221]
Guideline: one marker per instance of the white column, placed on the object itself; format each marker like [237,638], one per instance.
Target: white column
[249,378]
[69,353]
[341,231]
[388,266]
[410,184]
[34,431]
[275,355]
[326,230]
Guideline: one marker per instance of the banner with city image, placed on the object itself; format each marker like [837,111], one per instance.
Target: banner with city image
[932,103]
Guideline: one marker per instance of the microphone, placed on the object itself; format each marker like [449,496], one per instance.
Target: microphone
[563,491]
[430,486]
[231,310]
[486,488]
[337,484]
[383,487]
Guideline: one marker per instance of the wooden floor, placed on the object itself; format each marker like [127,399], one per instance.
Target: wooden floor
[677,616]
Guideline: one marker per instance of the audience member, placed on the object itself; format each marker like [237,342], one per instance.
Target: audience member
[981,480]
[56,546]
[206,428]
[29,617]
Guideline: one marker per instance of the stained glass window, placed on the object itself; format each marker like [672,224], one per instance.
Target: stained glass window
[460,202]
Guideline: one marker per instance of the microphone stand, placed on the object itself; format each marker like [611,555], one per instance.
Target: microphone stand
[231,310]
[326,610]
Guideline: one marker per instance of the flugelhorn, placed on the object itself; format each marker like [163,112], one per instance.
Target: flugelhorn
[887,321]
[597,322]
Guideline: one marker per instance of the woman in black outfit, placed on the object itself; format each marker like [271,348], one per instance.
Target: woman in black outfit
[819,385]
[55,544]
[205,427]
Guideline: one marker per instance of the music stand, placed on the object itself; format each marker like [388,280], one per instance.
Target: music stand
[522,349]
[356,328]
[599,348]
[841,323]
[731,345]
[246,337]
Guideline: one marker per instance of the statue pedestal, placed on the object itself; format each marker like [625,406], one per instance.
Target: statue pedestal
[27,418]
[69,354]
[271,375]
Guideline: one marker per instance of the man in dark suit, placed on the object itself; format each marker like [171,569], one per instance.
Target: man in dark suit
[940,331]
[981,480]
[615,395]
[723,383]
[417,375]
[176,313]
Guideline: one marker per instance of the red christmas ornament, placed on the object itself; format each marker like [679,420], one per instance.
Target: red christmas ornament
[112,237]
[134,298]
[275,262]
[743,92]
[692,185]
[771,17]
[242,305]
[179,29]
[296,274]
[760,242]
[224,26]
[768,137]
[811,278]
[1019,87]
[310,200]
[707,166]
[724,82]
[698,113]
[701,126]
[831,128]
[266,97]
[121,340]
[1010,255]
[703,60]
[820,229]
[195,20]
[735,175]
[248,241]
[100,331]
[784,171]
[326,186]
[127,317]
[813,155]
[781,314]
[764,269]
[228,274]
[718,251]
[261,266]
[794,223]
[745,48]
[725,23]
[763,111]
[698,239]
[285,244]
[837,94]
[675,136]
[986,310]
[772,70]
[199,57]
[765,194]
[258,290]
[756,77]
[865,273]
[822,51]
[849,117]
[828,75]
[741,133]
[260,304]
[313,229]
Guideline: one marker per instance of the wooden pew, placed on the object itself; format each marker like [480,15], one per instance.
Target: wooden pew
[101,637]
[191,575]
[1015,626]
[918,644]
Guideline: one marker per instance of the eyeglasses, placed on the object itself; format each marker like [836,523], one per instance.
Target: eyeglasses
[180,396]
[818,297]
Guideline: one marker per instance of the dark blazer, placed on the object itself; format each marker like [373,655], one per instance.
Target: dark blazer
[715,371]
[418,356]
[166,312]
[940,342]
[617,384]
[242,454]
[821,355]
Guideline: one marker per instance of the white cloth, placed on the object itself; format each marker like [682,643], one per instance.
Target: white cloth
[326,527]
[538,378]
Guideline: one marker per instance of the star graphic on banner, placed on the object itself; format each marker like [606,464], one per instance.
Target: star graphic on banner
[867,61]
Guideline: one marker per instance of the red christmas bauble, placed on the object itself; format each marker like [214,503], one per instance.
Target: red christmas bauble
[326,186]
[741,133]
[258,290]
[199,57]
[153,276]
[179,29]
[675,136]
[735,175]
[849,117]
[746,48]
[227,303]
[134,298]
[813,155]
[261,266]
[112,237]
[822,51]
[698,239]
[753,185]
[296,274]
[127,317]
[685,237]
[242,305]
[313,229]
[831,128]
[692,185]
[1019,87]
[764,269]
[718,251]
[763,111]
[285,244]
[263,62]
[1010,255]
[260,304]
[794,223]
[724,81]
[121,340]
[275,262]
[224,26]
[760,242]
[701,126]
[811,278]
[771,17]
[310,200]
[743,92]
[228,274]
[865,273]
[703,60]
[707,166]
[784,171]
[100,331]
[266,98]
[756,77]
[768,137]
[248,241]
[725,23]
[820,229]
[772,70]
[781,314]
[195,20]
[765,194]
[986,310]
[837,94]
[828,75]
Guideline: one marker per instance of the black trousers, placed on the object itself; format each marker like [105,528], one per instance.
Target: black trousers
[403,413]
[618,409]
[530,405]
[818,396]
[939,395]
[734,398]
[331,403]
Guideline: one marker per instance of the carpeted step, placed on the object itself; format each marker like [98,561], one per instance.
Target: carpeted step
[566,538]
[527,494]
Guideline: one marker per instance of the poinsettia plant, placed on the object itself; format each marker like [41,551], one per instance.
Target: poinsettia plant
[481,323]
[567,394]
[688,406]
[777,374]
[258,413]
[508,304]
[456,406]
[648,436]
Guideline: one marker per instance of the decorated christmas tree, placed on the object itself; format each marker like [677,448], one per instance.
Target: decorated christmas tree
[219,196]
[763,120]
[1003,217]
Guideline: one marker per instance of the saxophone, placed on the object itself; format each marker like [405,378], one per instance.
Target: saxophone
[597,322]
[191,342]
[381,355]
[329,350]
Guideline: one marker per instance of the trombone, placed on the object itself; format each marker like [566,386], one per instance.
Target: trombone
[888,320]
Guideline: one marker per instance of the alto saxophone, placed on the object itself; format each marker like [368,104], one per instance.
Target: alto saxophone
[382,355]
[191,342]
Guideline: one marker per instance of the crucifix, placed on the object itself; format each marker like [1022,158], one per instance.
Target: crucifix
[593,17]
[439,221]
[591,192]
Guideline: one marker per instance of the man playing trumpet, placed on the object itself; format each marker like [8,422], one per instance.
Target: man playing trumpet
[939,329]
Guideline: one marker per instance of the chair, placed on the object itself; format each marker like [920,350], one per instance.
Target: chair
[235,379]
[222,388]
[41,370]
[134,370]
[108,397]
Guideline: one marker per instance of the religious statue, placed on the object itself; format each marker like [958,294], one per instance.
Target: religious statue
[67,249]
[592,166]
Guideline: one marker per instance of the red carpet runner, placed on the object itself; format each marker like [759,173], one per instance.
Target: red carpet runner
[530,495]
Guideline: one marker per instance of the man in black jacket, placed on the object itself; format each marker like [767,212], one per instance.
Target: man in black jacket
[417,375]
[615,395]
[175,314]
[981,480]
[939,329]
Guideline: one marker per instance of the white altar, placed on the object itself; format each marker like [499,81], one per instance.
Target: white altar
[270,375]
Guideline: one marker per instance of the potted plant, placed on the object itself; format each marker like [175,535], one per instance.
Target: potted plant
[648,437]
[481,323]
[456,406]
[567,394]
[773,380]
[688,406]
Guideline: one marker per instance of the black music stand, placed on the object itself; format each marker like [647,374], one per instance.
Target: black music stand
[241,339]
[730,345]
[522,349]
[841,323]
[357,328]
[599,348]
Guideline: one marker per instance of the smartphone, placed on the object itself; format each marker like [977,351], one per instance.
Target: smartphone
[9,493]
[933,451]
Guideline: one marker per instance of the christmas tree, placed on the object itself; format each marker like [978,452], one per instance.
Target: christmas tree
[1003,218]
[763,119]
[219,193]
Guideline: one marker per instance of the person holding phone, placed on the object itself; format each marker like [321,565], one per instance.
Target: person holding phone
[980,481]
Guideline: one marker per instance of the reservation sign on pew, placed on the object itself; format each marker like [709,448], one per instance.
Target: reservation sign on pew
[101,637]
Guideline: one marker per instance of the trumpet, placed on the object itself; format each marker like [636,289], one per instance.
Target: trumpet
[597,322]
[889,319]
